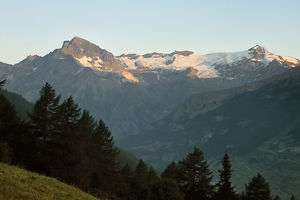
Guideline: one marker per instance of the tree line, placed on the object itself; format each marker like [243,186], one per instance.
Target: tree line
[63,141]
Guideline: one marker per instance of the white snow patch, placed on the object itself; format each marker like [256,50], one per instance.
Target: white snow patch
[204,64]
[129,62]
[94,63]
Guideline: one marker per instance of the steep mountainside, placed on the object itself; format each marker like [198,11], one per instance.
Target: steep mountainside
[22,106]
[131,91]
[257,124]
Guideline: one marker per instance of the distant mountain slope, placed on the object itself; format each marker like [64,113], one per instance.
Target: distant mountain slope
[131,91]
[22,105]
[19,184]
[259,124]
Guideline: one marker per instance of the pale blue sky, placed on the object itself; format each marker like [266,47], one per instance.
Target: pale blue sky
[141,26]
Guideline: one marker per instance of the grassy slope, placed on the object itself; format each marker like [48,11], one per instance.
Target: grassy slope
[16,183]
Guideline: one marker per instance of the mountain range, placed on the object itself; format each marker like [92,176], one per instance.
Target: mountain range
[131,91]
[160,105]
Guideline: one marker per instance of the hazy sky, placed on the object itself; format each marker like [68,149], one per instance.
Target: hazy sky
[141,26]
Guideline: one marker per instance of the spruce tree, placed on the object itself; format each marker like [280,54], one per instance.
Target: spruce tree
[152,176]
[140,187]
[105,153]
[65,140]
[166,189]
[141,172]
[257,189]
[171,172]
[68,113]
[44,113]
[195,177]
[9,120]
[125,183]
[225,190]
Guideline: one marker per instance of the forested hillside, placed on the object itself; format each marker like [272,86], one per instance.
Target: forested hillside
[62,141]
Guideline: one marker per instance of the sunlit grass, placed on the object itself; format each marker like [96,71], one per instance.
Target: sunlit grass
[16,183]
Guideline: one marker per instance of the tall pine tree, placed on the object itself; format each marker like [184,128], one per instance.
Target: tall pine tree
[105,152]
[225,190]
[171,172]
[195,177]
[44,113]
[257,189]
[44,129]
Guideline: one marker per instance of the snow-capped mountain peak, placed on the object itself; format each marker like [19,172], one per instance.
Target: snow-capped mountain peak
[132,66]
[261,54]
[92,56]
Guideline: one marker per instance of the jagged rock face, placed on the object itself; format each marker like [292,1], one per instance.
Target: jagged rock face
[78,48]
[258,52]
[90,55]
[183,53]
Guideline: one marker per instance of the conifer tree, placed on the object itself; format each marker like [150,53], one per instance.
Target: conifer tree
[44,112]
[225,190]
[103,134]
[125,183]
[15,142]
[171,172]
[105,152]
[65,140]
[140,174]
[195,177]
[140,188]
[68,112]
[257,189]
[9,119]
[152,176]
[166,189]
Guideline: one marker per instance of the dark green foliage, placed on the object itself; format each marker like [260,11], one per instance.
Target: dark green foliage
[152,176]
[70,145]
[195,177]
[9,120]
[12,131]
[105,153]
[257,189]
[171,172]
[225,190]
[140,174]
[125,183]
[44,112]
[166,189]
